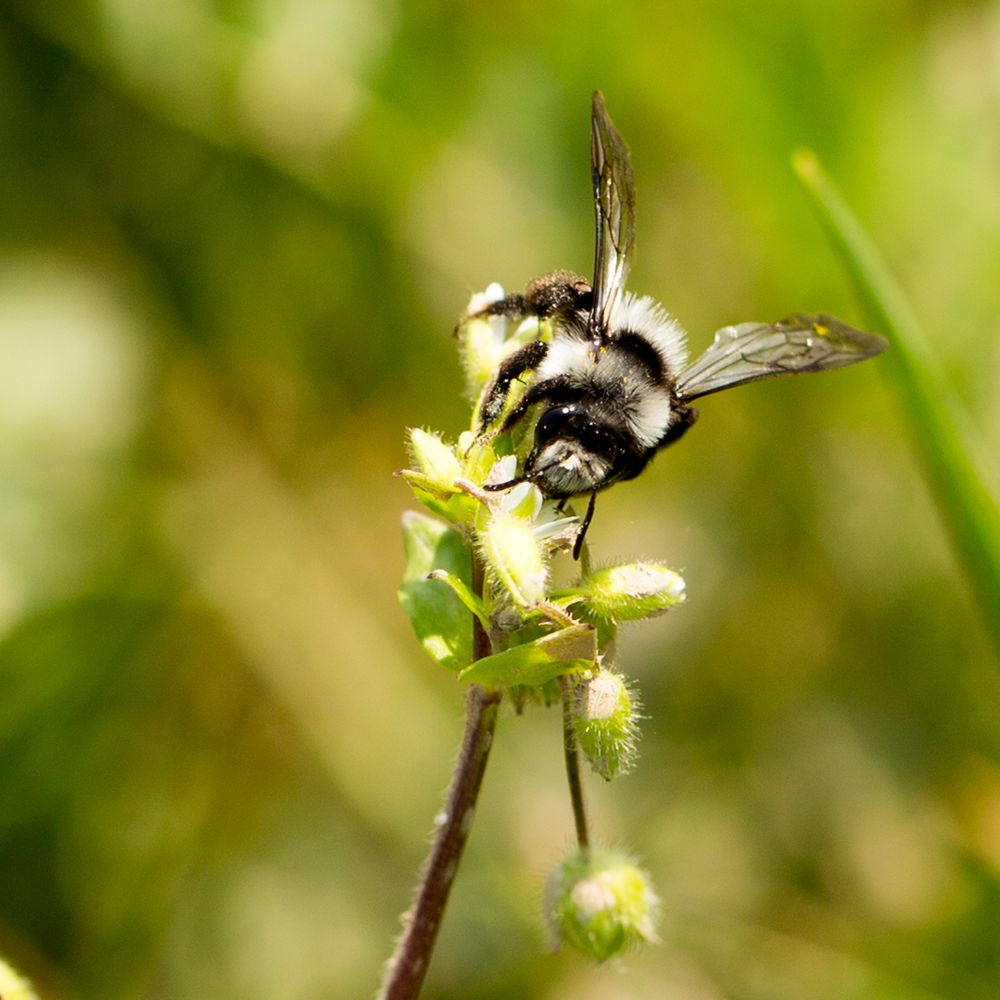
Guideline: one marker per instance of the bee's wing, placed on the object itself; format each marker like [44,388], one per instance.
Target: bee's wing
[614,208]
[751,351]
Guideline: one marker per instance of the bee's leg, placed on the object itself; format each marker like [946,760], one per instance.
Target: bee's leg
[528,357]
[558,389]
[582,533]
[560,293]
[509,305]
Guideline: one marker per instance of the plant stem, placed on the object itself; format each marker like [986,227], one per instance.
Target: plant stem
[945,440]
[571,749]
[409,962]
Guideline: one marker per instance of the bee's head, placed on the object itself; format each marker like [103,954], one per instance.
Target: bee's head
[573,452]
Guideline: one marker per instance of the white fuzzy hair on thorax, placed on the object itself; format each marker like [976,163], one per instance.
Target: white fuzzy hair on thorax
[645,316]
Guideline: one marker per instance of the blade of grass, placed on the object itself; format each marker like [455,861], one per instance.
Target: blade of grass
[944,440]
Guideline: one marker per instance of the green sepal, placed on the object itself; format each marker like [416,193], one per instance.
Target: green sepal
[545,695]
[447,502]
[624,593]
[433,457]
[512,552]
[478,350]
[438,617]
[481,453]
[604,714]
[425,485]
[464,594]
[600,902]
[571,650]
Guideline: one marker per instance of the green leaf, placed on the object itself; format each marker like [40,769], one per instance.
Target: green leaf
[571,650]
[438,617]
[464,594]
[945,442]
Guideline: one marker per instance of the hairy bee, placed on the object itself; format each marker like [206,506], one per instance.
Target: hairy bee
[612,385]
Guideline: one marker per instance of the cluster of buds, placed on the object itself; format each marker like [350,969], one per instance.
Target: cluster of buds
[547,639]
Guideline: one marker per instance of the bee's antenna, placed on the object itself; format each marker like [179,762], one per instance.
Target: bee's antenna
[517,480]
[497,487]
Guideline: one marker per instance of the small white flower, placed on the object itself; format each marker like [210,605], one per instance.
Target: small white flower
[481,300]
[504,469]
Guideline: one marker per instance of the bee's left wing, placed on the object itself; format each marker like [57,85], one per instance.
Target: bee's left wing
[751,351]
[614,210]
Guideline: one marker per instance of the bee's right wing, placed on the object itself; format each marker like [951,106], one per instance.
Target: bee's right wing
[614,209]
[751,351]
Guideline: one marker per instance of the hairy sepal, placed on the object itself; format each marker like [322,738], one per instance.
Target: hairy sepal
[572,650]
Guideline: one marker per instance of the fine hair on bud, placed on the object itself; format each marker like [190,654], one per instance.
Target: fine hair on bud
[600,902]
[630,592]
[605,714]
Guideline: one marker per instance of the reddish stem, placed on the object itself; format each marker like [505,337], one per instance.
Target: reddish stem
[408,965]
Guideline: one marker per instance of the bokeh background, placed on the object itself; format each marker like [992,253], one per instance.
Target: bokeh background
[234,238]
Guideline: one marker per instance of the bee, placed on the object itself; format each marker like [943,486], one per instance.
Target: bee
[610,385]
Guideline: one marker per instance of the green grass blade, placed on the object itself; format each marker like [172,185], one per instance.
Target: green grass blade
[944,440]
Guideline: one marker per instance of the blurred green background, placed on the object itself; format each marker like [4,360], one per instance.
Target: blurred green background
[234,238]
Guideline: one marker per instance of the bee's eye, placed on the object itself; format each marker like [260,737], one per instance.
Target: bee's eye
[573,421]
[556,421]
[596,437]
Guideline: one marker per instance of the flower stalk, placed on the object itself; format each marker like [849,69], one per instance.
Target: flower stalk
[409,963]
[571,749]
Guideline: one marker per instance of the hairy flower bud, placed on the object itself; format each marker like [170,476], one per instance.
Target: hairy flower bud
[604,717]
[600,902]
[481,339]
[436,460]
[627,593]
[514,554]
